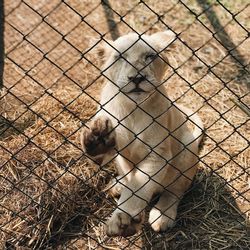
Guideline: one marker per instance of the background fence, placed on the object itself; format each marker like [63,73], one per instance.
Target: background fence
[51,197]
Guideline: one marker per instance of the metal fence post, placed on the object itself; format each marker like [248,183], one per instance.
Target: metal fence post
[221,33]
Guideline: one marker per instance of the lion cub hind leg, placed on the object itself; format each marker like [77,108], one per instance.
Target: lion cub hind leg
[163,215]
[115,186]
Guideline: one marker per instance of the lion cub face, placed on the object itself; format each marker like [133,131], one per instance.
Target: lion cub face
[134,64]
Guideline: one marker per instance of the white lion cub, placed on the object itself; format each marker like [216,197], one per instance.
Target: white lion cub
[138,125]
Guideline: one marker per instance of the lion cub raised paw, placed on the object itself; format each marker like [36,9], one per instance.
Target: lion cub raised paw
[99,138]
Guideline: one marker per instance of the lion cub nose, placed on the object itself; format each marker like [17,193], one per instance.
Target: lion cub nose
[137,79]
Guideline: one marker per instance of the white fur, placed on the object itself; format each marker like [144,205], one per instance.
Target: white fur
[157,151]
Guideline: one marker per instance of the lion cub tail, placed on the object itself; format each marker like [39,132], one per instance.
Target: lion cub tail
[197,122]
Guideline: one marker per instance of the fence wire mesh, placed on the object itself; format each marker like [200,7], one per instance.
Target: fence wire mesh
[55,196]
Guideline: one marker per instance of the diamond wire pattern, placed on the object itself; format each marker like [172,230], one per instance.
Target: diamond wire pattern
[62,20]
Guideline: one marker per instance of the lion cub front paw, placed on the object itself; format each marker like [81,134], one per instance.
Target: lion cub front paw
[99,138]
[161,222]
[122,224]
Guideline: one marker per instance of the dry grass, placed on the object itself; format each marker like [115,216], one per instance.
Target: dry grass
[51,196]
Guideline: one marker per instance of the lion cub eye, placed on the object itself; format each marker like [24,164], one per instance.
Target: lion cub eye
[119,56]
[151,56]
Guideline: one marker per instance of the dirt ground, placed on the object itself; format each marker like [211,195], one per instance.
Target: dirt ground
[51,196]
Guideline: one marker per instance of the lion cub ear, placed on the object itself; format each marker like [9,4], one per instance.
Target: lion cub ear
[104,48]
[100,48]
[163,39]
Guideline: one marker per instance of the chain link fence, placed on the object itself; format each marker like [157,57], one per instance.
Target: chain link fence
[53,196]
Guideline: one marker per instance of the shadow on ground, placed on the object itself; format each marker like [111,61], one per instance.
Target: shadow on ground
[208,218]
